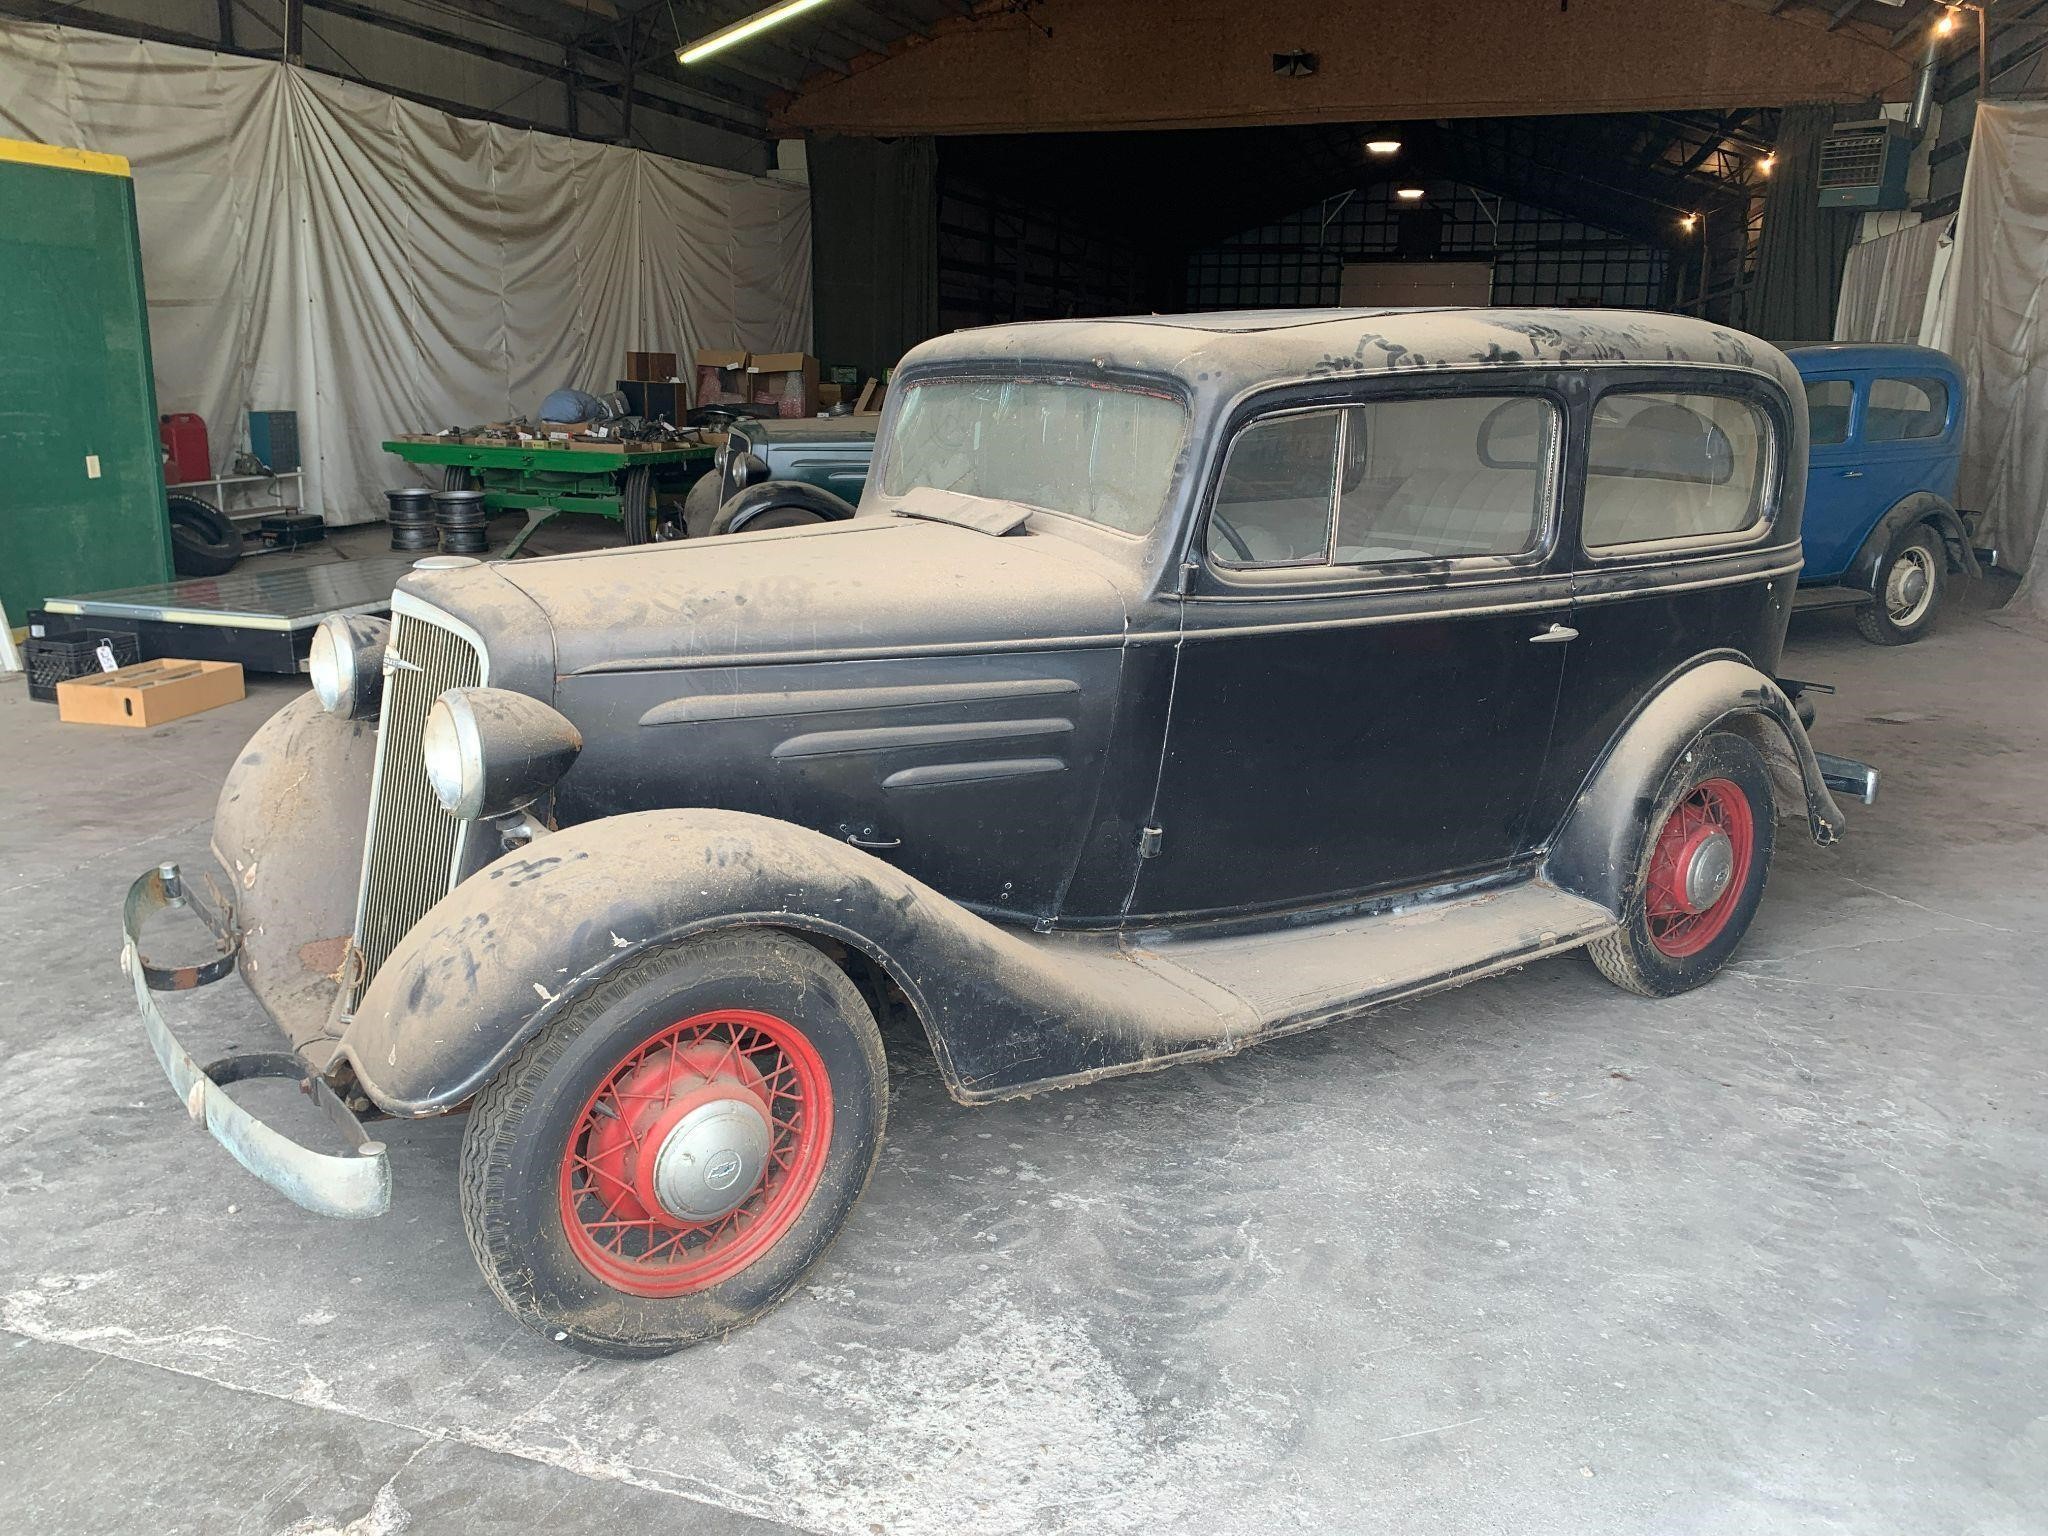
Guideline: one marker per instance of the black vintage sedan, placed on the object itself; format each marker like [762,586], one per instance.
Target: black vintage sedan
[1183,682]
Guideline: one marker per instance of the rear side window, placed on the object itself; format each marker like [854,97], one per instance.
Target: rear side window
[1905,408]
[1444,479]
[1827,411]
[1666,466]
[1439,479]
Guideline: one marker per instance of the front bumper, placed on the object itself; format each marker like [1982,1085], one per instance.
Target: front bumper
[352,1184]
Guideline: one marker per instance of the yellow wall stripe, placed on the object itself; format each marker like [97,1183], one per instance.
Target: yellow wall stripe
[24,153]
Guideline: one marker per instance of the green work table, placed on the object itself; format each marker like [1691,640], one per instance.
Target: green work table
[541,481]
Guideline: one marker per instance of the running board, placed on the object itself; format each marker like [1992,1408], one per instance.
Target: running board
[1819,599]
[1297,977]
[1153,1000]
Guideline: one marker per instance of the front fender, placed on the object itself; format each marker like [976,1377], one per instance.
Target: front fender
[1595,854]
[508,950]
[288,833]
[742,508]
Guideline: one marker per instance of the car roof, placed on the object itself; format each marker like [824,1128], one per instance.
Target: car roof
[1221,354]
[1871,356]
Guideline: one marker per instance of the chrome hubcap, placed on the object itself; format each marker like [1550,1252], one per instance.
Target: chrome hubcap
[1708,871]
[712,1159]
[1909,587]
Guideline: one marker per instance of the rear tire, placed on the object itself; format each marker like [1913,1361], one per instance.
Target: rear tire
[571,1155]
[203,541]
[1671,938]
[1911,581]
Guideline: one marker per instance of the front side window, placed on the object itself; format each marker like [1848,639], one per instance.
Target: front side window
[1673,466]
[1900,409]
[1827,410]
[1446,478]
[1273,505]
[1092,451]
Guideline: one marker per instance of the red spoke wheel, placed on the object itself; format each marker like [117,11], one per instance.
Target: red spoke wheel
[667,1158]
[696,1153]
[1698,867]
[1707,850]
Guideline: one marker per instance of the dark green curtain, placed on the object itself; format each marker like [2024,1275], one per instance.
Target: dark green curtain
[874,249]
[1803,246]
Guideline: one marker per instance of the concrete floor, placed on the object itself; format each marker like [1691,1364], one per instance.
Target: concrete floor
[1533,1256]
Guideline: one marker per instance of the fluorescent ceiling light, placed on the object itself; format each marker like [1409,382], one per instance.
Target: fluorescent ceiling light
[1384,146]
[742,29]
[1410,194]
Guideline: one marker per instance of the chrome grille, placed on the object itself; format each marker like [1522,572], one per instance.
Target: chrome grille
[410,853]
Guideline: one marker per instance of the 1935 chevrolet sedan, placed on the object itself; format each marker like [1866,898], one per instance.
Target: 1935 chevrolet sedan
[1183,682]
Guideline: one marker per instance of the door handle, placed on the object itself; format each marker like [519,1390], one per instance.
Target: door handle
[1852,474]
[1557,634]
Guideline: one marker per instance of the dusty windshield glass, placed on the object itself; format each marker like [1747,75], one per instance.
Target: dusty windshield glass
[1106,454]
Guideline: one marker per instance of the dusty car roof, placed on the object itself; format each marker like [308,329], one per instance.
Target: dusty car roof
[1231,350]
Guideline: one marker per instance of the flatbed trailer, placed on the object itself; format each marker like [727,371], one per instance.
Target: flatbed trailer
[544,480]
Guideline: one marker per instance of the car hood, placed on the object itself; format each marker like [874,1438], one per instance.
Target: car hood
[866,587]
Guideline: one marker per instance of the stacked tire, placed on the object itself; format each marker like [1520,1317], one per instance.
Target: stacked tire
[461,517]
[412,521]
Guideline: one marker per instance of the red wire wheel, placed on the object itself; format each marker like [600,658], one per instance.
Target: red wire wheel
[1699,867]
[736,1096]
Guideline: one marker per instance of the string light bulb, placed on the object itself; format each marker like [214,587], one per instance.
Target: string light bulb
[1689,222]
[1768,164]
[1945,23]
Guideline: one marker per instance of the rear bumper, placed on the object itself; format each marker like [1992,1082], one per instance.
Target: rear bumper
[1846,776]
[352,1184]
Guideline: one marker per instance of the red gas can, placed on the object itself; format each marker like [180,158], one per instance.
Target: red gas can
[184,438]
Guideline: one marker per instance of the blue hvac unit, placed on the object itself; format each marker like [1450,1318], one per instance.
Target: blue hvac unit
[274,439]
[1863,165]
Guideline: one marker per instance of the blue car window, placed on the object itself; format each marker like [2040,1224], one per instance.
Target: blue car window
[1827,410]
[1901,409]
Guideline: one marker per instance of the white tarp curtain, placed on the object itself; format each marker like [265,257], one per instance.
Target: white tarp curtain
[380,267]
[1989,316]
[1885,284]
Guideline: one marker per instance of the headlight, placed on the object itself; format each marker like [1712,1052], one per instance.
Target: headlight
[488,751]
[747,469]
[347,663]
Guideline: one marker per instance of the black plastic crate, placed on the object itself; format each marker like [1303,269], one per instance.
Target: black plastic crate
[62,655]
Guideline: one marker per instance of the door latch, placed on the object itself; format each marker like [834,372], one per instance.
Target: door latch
[1557,634]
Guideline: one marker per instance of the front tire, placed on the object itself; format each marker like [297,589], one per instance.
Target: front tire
[667,1159]
[1911,581]
[1706,854]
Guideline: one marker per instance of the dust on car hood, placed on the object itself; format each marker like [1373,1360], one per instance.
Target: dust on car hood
[868,586]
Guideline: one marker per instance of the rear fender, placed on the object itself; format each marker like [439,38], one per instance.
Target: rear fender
[1920,507]
[1596,853]
[508,950]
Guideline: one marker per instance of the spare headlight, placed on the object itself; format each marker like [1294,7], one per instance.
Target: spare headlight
[489,751]
[347,663]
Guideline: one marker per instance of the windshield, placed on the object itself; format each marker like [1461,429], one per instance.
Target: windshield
[1106,454]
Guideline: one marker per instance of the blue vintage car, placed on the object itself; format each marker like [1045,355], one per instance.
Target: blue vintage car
[1881,531]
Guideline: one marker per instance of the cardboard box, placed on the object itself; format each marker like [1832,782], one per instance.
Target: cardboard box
[829,395]
[845,378]
[651,367]
[786,380]
[721,377]
[149,693]
[871,396]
